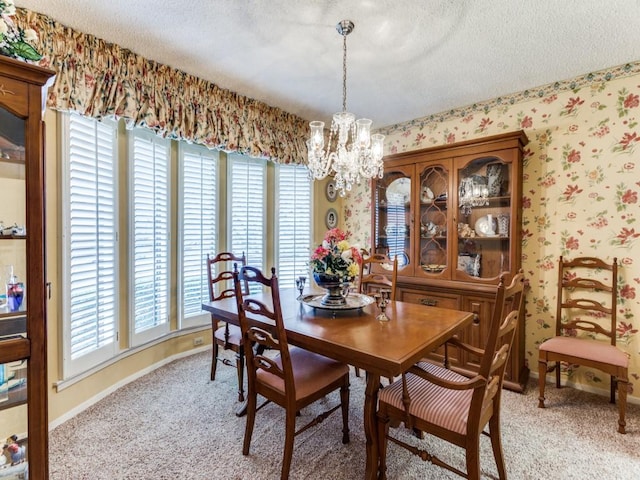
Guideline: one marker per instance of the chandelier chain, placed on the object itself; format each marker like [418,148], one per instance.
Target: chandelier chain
[344,72]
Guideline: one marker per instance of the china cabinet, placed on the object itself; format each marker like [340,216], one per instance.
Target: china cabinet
[23,368]
[452,216]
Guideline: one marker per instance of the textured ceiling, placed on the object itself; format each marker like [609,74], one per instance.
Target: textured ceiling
[406,58]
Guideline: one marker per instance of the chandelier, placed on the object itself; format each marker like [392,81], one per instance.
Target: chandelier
[352,153]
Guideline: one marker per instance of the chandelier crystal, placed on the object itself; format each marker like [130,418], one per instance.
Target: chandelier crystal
[352,153]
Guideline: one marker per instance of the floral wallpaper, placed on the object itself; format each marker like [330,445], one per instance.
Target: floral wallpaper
[580,191]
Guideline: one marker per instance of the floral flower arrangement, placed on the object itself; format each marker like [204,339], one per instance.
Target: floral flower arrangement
[14,41]
[336,256]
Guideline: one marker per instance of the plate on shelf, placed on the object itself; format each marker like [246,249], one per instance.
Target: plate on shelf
[354,301]
[403,260]
[426,197]
[433,268]
[399,191]
[486,226]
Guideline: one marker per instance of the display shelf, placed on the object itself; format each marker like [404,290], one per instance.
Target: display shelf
[12,237]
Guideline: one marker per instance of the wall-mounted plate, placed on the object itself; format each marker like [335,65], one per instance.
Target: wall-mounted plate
[331,218]
[330,191]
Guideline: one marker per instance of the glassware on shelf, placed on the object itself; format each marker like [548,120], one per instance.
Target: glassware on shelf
[496,177]
[472,192]
[6,273]
[4,383]
[503,225]
[15,292]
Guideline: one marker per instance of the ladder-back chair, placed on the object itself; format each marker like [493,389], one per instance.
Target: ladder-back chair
[378,272]
[294,378]
[586,308]
[229,337]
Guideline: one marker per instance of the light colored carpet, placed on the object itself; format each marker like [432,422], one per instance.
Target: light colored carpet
[176,424]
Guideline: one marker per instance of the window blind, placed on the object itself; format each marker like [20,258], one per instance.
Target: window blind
[150,233]
[90,241]
[247,201]
[198,235]
[294,223]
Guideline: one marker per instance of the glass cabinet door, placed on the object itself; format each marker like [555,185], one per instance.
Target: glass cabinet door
[484,190]
[393,216]
[434,218]
[13,328]
[12,214]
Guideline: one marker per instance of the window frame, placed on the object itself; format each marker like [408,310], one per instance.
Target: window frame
[237,158]
[203,318]
[163,327]
[71,366]
[285,281]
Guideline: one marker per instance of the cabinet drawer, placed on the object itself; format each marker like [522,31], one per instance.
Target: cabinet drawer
[441,300]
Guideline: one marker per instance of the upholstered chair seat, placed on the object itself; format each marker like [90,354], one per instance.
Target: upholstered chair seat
[311,372]
[587,350]
[232,335]
[586,314]
[443,407]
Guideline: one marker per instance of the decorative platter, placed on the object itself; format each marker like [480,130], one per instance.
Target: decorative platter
[354,301]
[403,260]
[486,227]
[399,191]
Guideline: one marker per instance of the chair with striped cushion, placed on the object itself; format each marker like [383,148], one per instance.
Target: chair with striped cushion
[586,309]
[456,408]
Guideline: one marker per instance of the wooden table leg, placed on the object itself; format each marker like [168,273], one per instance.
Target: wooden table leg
[370,430]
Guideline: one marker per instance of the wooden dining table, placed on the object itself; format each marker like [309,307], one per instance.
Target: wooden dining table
[356,337]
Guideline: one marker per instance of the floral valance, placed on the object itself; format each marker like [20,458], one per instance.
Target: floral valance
[101,79]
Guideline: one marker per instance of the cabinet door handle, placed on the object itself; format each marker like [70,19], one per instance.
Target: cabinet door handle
[429,302]
[476,319]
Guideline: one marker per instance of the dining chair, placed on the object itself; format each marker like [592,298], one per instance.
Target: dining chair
[453,407]
[585,310]
[292,378]
[377,272]
[226,336]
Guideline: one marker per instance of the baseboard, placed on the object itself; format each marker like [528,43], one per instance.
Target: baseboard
[107,391]
[586,388]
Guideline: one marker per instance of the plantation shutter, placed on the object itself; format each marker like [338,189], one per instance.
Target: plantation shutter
[247,208]
[294,223]
[199,186]
[90,242]
[150,235]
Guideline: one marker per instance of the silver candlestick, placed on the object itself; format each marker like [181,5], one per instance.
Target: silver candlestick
[300,281]
[382,300]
